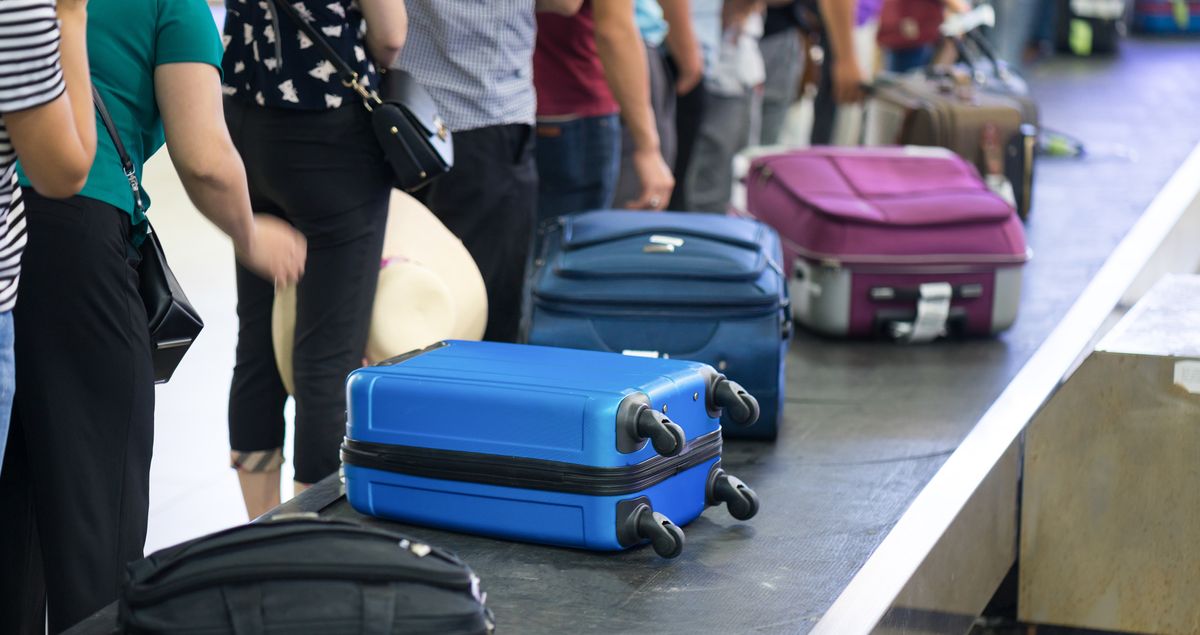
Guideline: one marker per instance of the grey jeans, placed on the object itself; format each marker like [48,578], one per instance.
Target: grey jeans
[724,132]
[782,55]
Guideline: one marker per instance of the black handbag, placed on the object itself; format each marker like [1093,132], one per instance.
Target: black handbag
[414,139]
[300,574]
[174,323]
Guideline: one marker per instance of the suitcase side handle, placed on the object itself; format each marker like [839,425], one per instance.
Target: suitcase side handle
[638,422]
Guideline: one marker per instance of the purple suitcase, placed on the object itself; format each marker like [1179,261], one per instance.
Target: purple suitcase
[903,242]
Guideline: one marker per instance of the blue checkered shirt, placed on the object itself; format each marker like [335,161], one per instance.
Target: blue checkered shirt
[475,57]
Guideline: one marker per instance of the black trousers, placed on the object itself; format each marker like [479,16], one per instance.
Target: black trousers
[824,106]
[324,173]
[689,114]
[74,487]
[489,200]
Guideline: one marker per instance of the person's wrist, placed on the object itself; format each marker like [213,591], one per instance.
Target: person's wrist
[648,149]
[243,242]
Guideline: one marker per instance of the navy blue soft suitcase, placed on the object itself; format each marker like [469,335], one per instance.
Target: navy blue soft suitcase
[548,445]
[700,287]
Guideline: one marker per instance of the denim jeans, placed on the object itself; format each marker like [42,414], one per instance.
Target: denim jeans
[8,377]
[578,161]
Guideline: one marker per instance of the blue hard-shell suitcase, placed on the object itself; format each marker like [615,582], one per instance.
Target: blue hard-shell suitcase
[548,445]
[693,286]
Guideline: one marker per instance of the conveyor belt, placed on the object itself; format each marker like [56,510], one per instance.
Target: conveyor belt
[867,424]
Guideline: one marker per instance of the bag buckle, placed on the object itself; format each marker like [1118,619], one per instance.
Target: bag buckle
[368,96]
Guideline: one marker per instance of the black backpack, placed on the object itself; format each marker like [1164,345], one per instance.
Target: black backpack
[303,575]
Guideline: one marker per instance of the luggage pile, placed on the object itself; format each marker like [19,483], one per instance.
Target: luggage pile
[981,111]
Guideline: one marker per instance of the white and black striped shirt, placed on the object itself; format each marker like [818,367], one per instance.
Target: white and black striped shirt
[30,75]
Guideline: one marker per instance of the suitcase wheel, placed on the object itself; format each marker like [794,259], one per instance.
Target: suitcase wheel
[644,422]
[665,536]
[739,499]
[740,405]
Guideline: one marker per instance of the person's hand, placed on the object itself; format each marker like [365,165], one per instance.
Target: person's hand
[656,179]
[690,66]
[848,81]
[275,251]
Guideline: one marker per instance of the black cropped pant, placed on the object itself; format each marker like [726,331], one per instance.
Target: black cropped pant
[324,173]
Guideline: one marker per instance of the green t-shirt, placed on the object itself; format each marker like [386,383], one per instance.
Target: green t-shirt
[127,39]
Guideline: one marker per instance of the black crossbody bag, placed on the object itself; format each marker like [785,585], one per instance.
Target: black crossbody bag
[417,144]
[174,323]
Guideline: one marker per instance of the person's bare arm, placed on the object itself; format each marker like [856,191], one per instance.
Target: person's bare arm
[839,17]
[189,97]
[682,43]
[561,7]
[387,28]
[56,142]
[619,45]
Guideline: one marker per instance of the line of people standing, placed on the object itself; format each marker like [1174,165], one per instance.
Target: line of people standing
[638,103]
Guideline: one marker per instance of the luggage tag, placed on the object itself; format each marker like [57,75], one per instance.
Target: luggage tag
[933,311]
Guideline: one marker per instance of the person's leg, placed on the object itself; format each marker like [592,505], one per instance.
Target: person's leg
[256,393]
[333,318]
[689,114]
[22,580]
[662,99]
[488,201]
[326,173]
[824,107]
[85,397]
[8,377]
[560,165]
[782,57]
[256,398]
[577,163]
[909,59]
[724,133]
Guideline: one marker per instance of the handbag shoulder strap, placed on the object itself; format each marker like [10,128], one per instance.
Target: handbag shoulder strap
[126,161]
[348,75]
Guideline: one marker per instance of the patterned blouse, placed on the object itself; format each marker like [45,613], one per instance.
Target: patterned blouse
[268,60]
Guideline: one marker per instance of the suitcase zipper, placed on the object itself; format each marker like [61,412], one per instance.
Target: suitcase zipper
[835,260]
[526,473]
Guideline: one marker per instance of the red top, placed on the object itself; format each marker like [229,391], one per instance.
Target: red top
[567,71]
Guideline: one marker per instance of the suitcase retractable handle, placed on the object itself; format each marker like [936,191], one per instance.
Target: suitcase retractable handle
[637,421]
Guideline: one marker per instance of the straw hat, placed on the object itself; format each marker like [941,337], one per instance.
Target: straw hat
[429,290]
